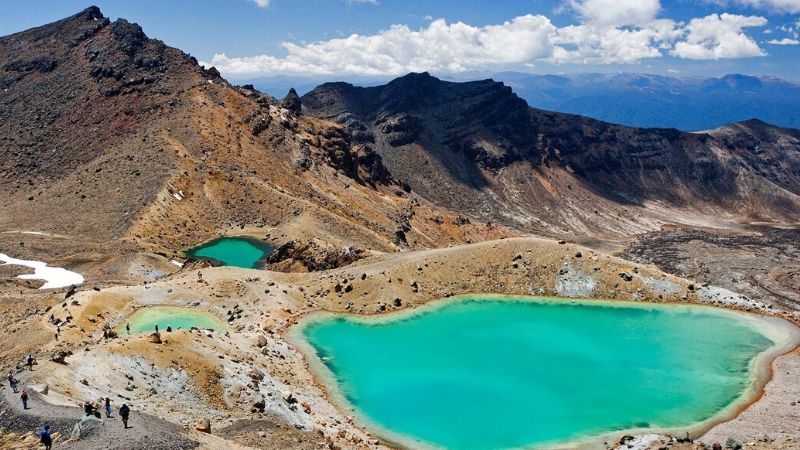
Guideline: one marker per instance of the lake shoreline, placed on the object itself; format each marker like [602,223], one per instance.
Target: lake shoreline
[785,335]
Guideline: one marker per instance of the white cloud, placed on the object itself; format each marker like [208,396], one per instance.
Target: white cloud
[261,3]
[778,6]
[784,41]
[616,12]
[440,47]
[362,2]
[522,42]
[607,45]
[719,36]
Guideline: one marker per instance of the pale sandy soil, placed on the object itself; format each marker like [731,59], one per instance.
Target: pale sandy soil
[194,375]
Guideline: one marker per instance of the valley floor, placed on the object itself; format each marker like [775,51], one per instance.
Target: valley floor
[254,386]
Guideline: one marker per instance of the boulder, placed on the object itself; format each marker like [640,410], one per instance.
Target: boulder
[732,444]
[261,341]
[203,425]
[60,356]
[81,428]
[288,397]
[41,388]
[155,338]
[716,446]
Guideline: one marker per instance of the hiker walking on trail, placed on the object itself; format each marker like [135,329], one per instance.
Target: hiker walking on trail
[46,438]
[24,398]
[124,412]
[12,381]
[108,408]
[128,328]
[156,328]
[29,362]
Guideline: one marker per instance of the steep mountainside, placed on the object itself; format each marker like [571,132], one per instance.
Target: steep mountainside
[477,147]
[112,137]
[658,101]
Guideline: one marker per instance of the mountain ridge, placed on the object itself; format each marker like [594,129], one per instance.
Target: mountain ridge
[473,133]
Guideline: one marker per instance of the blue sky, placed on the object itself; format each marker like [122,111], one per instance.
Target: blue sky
[459,38]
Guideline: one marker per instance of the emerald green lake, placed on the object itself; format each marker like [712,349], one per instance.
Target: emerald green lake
[490,372]
[234,251]
[144,320]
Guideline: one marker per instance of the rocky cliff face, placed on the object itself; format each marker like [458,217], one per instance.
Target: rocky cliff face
[477,148]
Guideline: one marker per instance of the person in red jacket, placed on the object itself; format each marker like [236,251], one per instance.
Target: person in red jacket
[24,398]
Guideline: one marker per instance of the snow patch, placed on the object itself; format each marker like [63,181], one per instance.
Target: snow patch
[54,277]
[177,263]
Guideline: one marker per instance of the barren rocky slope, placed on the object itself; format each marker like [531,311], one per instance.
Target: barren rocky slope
[477,147]
[111,137]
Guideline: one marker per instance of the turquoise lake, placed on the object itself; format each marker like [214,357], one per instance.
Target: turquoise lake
[234,251]
[144,320]
[490,373]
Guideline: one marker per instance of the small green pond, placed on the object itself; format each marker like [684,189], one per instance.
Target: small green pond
[497,372]
[246,252]
[145,320]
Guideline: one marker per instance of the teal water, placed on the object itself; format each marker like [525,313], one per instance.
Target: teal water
[493,373]
[234,251]
[144,320]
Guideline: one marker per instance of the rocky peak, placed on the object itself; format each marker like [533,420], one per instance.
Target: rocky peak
[292,102]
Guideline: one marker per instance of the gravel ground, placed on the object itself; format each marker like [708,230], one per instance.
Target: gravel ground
[144,432]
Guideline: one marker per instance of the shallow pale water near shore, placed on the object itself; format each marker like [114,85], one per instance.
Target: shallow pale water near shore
[492,373]
[243,252]
[145,319]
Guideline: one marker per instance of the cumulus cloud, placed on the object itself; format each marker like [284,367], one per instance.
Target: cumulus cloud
[590,44]
[779,6]
[441,47]
[261,3]
[784,41]
[624,35]
[616,12]
[719,36]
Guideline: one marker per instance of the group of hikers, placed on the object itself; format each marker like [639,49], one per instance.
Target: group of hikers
[124,410]
[45,434]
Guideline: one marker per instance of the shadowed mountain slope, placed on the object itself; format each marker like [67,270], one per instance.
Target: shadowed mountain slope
[479,148]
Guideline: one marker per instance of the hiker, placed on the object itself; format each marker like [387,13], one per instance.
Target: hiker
[199,276]
[88,409]
[108,408]
[124,411]
[45,438]
[30,362]
[24,398]
[128,328]
[156,328]
[12,381]
[169,329]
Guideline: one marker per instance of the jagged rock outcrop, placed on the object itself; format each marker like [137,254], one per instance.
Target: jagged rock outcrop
[313,255]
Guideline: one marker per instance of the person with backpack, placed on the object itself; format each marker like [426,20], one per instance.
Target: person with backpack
[12,381]
[46,438]
[24,398]
[30,362]
[124,412]
[108,408]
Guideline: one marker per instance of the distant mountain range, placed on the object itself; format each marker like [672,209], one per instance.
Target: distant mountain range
[689,104]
